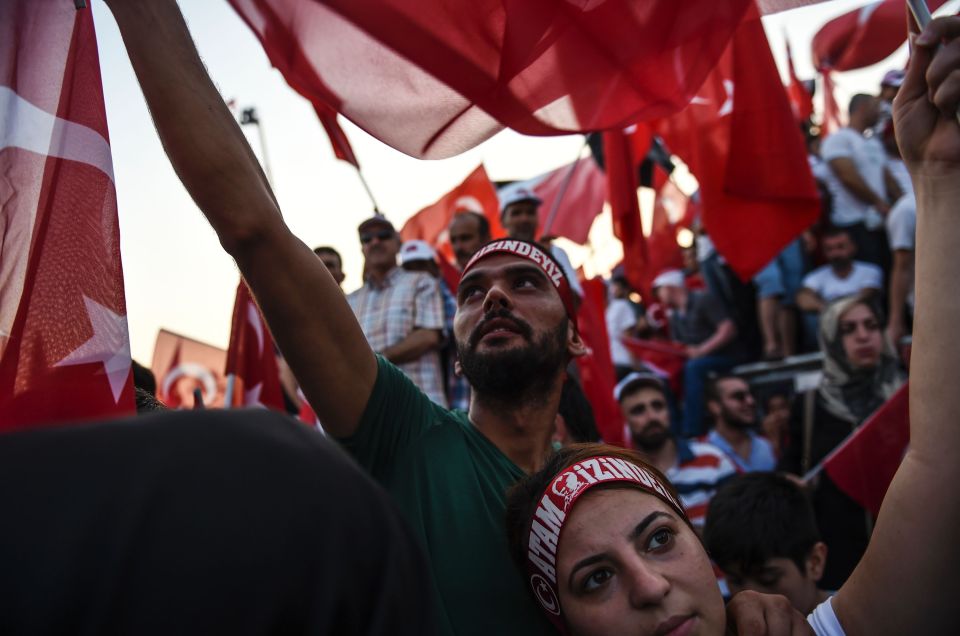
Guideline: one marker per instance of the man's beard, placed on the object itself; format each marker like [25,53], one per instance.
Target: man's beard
[526,373]
[736,421]
[651,440]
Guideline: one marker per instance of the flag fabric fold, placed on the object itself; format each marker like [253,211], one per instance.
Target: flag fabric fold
[801,101]
[251,357]
[596,368]
[64,344]
[433,78]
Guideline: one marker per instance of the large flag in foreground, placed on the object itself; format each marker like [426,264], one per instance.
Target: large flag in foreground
[433,78]
[64,345]
[741,141]
[182,366]
[596,369]
[251,357]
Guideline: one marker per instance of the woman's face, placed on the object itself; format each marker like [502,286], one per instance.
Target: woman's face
[627,564]
[861,337]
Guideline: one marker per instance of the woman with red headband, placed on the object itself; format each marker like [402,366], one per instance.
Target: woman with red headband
[605,545]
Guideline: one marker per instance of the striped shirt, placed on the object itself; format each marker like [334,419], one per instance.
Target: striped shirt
[701,469]
[389,311]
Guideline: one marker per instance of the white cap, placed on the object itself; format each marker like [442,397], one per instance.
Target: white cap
[646,379]
[669,278]
[515,194]
[416,251]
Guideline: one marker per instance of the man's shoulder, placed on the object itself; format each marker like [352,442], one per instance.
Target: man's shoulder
[860,268]
[817,275]
[705,455]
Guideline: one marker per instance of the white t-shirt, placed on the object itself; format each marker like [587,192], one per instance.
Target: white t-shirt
[898,170]
[870,158]
[824,621]
[620,317]
[829,286]
[902,229]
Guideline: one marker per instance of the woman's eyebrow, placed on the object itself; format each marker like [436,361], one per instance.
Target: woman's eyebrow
[634,534]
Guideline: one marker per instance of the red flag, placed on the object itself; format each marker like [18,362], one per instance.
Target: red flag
[475,194]
[182,364]
[622,183]
[757,194]
[863,36]
[864,464]
[663,251]
[596,368]
[64,345]
[577,190]
[831,110]
[433,78]
[251,356]
[801,101]
[665,357]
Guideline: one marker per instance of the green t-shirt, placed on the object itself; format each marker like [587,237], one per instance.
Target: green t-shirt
[450,482]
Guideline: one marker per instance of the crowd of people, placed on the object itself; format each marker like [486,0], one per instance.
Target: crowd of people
[461,400]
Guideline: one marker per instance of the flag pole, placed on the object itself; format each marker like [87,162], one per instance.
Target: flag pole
[250,116]
[228,393]
[563,190]
[366,187]
[921,13]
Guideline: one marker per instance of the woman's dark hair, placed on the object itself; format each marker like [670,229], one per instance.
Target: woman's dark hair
[577,413]
[522,498]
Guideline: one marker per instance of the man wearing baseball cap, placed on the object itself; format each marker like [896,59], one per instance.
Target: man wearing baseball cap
[519,214]
[400,312]
[696,469]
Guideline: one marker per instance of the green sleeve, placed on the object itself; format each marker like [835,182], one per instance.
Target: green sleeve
[397,413]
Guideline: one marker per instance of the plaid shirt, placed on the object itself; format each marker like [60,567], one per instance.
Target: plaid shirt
[458,389]
[390,311]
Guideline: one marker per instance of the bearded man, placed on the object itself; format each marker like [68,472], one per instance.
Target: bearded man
[695,468]
[734,414]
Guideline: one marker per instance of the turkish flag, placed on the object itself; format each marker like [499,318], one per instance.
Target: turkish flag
[863,36]
[181,365]
[433,78]
[475,194]
[740,140]
[801,101]
[252,357]
[338,139]
[596,368]
[64,345]
[663,251]
[864,464]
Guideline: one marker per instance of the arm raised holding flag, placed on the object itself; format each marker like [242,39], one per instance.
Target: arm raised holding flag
[306,310]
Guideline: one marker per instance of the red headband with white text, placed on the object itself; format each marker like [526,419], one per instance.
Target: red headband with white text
[554,508]
[533,253]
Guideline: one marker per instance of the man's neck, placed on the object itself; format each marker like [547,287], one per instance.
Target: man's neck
[521,430]
[377,275]
[844,271]
[664,458]
[738,438]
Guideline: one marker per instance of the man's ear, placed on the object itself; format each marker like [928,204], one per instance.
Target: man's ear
[713,407]
[576,347]
[457,368]
[816,561]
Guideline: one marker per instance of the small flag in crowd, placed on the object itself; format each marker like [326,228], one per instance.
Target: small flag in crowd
[182,365]
[251,357]
[864,464]
[64,344]
[801,101]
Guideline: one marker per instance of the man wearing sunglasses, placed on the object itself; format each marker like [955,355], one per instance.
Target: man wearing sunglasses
[400,311]
[734,413]
[695,468]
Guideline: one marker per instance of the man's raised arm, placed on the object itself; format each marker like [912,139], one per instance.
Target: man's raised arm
[306,311]
[907,581]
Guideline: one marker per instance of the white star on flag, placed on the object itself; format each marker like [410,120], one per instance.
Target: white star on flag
[110,345]
[251,397]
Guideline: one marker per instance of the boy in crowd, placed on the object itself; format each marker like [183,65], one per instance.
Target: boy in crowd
[762,533]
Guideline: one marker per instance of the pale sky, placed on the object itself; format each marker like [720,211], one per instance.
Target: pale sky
[176,274]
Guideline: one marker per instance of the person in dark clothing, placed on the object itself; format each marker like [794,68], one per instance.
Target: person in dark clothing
[860,372]
[201,522]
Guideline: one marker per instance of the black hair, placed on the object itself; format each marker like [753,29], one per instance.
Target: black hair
[143,378]
[756,517]
[713,385]
[326,249]
[857,101]
[577,413]
[483,225]
[147,402]
[833,231]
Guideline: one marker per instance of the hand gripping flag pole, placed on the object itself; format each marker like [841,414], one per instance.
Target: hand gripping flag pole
[921,13]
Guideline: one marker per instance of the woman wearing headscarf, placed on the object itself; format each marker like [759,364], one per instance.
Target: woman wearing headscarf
[860,373]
